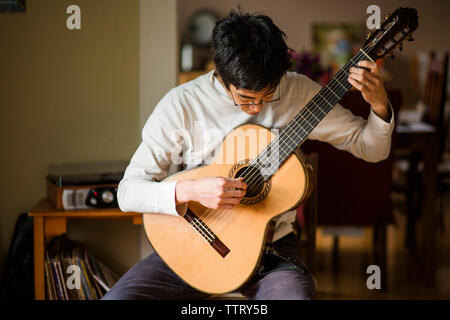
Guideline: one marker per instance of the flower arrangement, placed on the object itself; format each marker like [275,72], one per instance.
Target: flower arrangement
[309,65]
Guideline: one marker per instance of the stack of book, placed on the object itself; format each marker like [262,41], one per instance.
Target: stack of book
[73,273]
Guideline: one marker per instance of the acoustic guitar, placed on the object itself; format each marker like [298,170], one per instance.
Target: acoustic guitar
[217,251]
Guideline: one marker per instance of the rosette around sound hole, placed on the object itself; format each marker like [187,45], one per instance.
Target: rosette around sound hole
[257,187]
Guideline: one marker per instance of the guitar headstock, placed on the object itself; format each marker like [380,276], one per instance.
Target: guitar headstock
[397,27]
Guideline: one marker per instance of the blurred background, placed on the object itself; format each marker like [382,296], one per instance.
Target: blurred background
[76,96]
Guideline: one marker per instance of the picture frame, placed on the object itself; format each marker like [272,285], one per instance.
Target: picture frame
[12,5]
[336,42]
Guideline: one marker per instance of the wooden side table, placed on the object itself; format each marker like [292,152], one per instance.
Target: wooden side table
[49,222]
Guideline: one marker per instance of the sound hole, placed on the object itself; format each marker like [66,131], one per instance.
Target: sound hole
[253,179]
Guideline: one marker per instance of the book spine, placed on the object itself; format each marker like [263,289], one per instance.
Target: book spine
[80,290]
[50,290]
[63,280]
[59,292]
[84,284]
[90,287]
[96,267]
[96,286]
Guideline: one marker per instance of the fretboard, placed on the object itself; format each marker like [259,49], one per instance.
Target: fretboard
[298,129]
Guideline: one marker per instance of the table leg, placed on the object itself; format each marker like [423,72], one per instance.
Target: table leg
[428,223]
[137,220]
[39,247]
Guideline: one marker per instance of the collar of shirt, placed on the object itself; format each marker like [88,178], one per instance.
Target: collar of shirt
[219,86]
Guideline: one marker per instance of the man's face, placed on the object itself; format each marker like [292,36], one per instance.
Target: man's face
[251,102]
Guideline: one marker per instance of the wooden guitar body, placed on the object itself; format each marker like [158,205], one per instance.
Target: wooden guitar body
[217,251]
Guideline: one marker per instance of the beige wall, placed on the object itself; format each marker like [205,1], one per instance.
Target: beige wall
[78,96]
[158,63]
[68,96]
[295,17]
[158,52]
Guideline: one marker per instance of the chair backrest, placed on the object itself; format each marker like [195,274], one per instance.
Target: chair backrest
[435,95]
[307,218]
[352,191]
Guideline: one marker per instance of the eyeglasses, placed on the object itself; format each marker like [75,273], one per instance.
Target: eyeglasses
[255,104]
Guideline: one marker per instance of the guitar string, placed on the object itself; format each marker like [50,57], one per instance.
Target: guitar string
[255,177]
[332,87]
[317,106]
[220,221]
[308,118]
[212,211]
[219,216]
[361,50]
[289,130]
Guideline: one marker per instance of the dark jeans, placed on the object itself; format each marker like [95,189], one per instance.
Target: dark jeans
[151,278]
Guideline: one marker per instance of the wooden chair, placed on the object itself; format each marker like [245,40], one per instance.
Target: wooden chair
[434,98]
[353,192]
[307,218]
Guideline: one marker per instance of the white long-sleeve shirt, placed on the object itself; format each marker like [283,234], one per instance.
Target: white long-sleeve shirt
[194,118]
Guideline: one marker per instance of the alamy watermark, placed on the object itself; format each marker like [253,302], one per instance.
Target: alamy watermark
[200,145]
[373,21]
[374,280]
[73,22]
[73,281]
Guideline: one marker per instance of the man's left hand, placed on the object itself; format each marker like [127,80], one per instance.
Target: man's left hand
[371,86]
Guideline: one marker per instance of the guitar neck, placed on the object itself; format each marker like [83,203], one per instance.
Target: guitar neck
[298,129]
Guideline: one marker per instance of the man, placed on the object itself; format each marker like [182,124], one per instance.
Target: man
[250,84]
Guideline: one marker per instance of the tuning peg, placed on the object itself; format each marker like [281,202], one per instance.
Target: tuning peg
[410,38]
[369,34]
[387,16]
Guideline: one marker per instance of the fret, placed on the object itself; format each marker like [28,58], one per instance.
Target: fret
[355,63]
[287,145]
[286,151]
[304,123]
[305,130]
[307,109]
[295,142]
[318,106]
[295,132]
[345,71]
[330,99]
[350,64]
[299,122]
[366,54]
[340,84]
[331,105]
[298,136]
[327,87]
[298,130]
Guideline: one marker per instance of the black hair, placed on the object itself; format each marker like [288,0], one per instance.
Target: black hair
[249,51]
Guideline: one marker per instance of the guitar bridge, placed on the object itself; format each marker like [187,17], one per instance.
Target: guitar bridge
[206,233]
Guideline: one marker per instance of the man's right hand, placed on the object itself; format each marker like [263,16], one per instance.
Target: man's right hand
[211,192]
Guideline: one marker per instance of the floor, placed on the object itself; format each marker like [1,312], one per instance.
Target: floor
[348,279]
